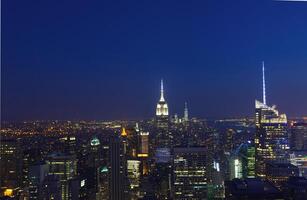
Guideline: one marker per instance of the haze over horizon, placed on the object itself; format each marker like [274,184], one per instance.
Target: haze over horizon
[104,60]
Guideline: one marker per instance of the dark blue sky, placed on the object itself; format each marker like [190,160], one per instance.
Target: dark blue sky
[104,59]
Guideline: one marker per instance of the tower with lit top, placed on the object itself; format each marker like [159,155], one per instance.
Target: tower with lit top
[162,107]
[271,138]
[162,110]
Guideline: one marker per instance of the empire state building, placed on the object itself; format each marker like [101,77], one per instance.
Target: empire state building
[162,110]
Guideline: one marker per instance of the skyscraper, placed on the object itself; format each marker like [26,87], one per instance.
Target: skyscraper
[299,136]
[271,139]
[65,167]
[163,137]
[186,112]
[10,170]
[117,169]
[37,174]
[190,173]
[143,152]
[162,110]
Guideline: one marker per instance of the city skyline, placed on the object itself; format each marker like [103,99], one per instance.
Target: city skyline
[103,61]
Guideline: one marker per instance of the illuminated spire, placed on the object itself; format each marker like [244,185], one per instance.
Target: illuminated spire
[162,108]
[123,132]
[263,84]
[162,91]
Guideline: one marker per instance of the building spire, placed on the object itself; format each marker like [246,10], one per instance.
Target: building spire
[162,91]
[263,84]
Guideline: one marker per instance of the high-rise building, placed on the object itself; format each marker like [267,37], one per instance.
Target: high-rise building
[65,167]
[163,137]
[52,187]
[143,153]
[144,144]
[299,136]
[69,144]
[95,165]
[133,173]
[162,110]
[30,157]
[242,162]
[186,113]
[37,175]
[117,169]
[271,139]
[11,169]
[279,173]
[299,159]
[189,173]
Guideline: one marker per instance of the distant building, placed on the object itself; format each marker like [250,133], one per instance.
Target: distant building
[117,169]
[37,175]
[133,173]
[11,166]
[65,167]
[189,172]
[51,188]
[299,136]
[242,162]
[143,153]
[251,189]
[295,188]
[299,159]
[95,164]
[69,144]
[279,173]
[186,113]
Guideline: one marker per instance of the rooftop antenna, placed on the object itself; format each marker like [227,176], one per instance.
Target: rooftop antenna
[263,84]
[162,91]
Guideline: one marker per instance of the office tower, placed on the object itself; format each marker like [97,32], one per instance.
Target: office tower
[11,169]
[104,173]
[117,169]
[30,157]
[163,137]
[299,159]
[144,144]
[37,173]
[65,166]
[279,173]
[189,173]
[95,165]
[242,162]
[69,144]
[162,110]
[52,188]
[235,167]
[186,113]
[251,188]
[295,188]
[299,136]
[143,153]
[271,139]
[133,173]
[228,140]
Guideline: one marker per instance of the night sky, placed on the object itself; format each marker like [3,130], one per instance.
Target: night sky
[101,60]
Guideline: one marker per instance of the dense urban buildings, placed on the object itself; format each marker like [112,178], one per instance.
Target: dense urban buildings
[160,158]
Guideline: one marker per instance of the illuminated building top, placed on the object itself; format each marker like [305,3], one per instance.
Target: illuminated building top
[95,142]
[162,107]
[124,133]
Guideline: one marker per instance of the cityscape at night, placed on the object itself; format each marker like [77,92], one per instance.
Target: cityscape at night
[153,100]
